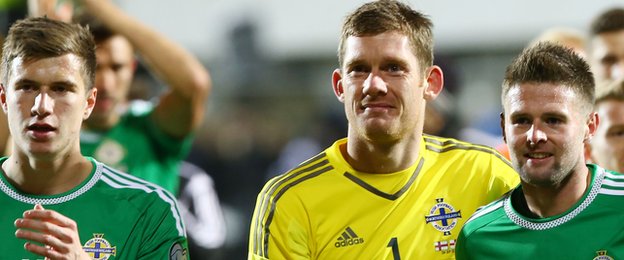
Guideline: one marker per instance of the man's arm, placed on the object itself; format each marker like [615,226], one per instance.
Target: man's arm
[181,110]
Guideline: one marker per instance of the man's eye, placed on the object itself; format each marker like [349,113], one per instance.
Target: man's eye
[521,121]
[59,88]
[553,121]
[25,87]
[394,68]
[358,68]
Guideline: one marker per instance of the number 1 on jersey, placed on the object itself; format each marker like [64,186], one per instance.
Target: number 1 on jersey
[394,243]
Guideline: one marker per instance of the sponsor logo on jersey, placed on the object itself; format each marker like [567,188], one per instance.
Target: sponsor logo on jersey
[177,252]
[445,246]
[348,238]
[602,255]
[443,217]
[99,248]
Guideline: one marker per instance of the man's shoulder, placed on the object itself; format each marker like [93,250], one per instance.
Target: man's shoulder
[486,215]
[447,145]
[611,190]
[131,188]
[456,155]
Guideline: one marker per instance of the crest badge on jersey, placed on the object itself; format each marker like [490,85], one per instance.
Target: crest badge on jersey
[177,252]
[99,248]
[111,153]
[443,217]
[602,255]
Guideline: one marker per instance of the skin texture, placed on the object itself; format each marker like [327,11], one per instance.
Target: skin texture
[48,92]
[545,129]
[607,146]
[384,92]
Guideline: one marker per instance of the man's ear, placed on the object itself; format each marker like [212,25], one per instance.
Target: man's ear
[434,82]
[91,97]
[592,125]
[3,97]
[337,85]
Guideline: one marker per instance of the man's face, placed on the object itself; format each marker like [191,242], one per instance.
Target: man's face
[607,56]
[607,146]
[545,130]
[381,86]
[113,77]
[46,102]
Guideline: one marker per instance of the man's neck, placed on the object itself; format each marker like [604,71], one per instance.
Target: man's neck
[381,157]
[552,201]
[46,177]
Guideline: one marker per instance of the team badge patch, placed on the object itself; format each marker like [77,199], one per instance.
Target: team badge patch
[99,248]
[443,217]
[602,255]
[177,252]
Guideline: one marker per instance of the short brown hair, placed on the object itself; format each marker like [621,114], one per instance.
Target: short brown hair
[100,32]
[611,20]
[552,63]
[39,38]
[389,15]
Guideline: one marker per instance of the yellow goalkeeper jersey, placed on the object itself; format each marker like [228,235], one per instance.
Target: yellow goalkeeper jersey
[324,209]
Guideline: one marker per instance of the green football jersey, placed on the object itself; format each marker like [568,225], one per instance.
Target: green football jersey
[118,215]
[136,145]
[591,229]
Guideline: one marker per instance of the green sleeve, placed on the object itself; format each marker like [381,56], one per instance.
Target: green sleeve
[460,249]
[164,236]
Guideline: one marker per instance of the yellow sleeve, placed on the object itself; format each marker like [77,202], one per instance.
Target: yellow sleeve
[279,228]
[504,177]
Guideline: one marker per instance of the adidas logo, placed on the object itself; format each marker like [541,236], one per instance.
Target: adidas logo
[348,238]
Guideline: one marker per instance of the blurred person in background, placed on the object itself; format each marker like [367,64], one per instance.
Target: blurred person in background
[606,148]
[386,191]
[606,48]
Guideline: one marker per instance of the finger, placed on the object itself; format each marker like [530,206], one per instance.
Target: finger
[45,239]
[45,228]
[46,251]
[50,216]
[39,206]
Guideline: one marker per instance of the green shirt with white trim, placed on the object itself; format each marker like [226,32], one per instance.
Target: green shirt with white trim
[138,146]
[591,229]
[119,216]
